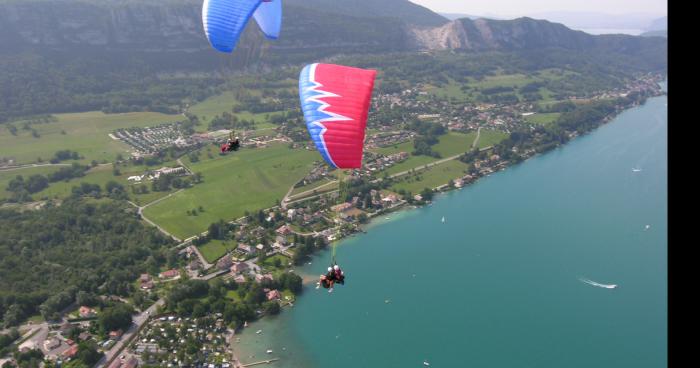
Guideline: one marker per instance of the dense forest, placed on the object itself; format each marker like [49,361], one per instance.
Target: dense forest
[47,257]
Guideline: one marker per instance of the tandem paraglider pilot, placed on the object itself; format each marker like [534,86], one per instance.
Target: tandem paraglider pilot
[334,275]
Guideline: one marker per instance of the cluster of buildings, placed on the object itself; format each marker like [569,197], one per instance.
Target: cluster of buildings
[155,174]
[389,138]
[382,162]
[61,343]
[171,341]
[148,140]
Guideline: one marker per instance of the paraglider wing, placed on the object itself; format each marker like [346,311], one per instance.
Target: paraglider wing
[269,18]
[335,102]
[224,20]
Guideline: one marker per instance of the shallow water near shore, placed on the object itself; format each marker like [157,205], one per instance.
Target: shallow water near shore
[498,284]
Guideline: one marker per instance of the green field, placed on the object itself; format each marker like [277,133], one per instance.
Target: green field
[248,180]
[216,105]
[450,144]
[432,177]
[314,185]
[543,118]
[215,249]
[97,175]
[86,133]
[213,106]
[402,147]
[490,137]
[7,175]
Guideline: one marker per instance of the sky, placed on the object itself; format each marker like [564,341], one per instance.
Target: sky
[525,7]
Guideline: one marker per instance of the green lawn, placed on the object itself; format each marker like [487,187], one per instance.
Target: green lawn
[324,183]
[213,106]
[248,180]
[8,175]
[402,147]
[452,90]
[450,144]
[215,249]
[269,262]
[98,175]
[432,177]
[217,105]
[543,118]
[490,137]
[503,80]
[86,133]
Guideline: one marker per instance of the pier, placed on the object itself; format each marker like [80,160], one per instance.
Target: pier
[261,362]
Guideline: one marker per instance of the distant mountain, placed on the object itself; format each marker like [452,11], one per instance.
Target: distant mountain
[596,20]
[453,16]
[525,34]
[659,24]
[403,10]
[663,33]
[64,55]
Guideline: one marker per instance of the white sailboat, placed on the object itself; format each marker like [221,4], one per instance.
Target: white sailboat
[443,219]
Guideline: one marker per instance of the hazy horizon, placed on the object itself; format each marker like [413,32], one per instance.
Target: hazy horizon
[514,8]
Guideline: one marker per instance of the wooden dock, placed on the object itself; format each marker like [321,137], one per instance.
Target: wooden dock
[261,362]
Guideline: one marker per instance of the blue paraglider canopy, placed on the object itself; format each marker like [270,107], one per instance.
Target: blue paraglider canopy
[225,20]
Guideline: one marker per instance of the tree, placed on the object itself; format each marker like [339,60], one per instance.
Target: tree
[85,298]
[255,295]
[291,282]
[88,354]
[427,194]
[271,307]
[117,317]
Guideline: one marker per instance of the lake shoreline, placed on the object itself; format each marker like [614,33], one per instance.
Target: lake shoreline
[379,219]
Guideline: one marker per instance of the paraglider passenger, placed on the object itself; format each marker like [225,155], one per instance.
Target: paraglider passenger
[233,145]
[327,280]
[338,275]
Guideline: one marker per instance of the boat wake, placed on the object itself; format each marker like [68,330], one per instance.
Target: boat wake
[593,283]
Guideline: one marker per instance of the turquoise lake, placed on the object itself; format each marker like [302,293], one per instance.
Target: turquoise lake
[499,283]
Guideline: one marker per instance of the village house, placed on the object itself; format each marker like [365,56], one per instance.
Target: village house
[418,197]
[86,312]
[239,267]
[65,328]
[169,274]
[261,277]
[70,352]
[224,263]
[246,249]
[52,343]
[284,230]
[239,279]
[281,240]
[341,207]
[195,265]
[274,295]
[145,277]
[115,335]
[390,199]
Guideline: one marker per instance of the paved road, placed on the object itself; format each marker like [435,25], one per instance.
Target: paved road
[141,208]
[476,140]
[138,321]
[288,197]
[30,165]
